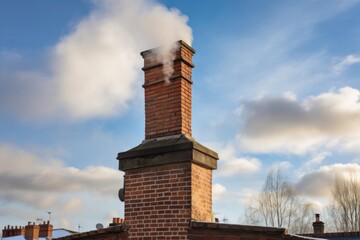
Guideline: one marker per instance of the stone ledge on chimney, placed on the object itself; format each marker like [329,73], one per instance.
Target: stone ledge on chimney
[171,149]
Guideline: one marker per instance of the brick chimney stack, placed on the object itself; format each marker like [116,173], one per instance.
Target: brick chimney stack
[168,104]
[318,225]
[32,231]
[46,230]
[168,177]
[12,231]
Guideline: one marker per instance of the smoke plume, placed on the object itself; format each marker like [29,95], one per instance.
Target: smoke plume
[93,70]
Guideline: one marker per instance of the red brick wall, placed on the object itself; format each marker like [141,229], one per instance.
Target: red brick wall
[158,201]
[201,193]
[161,200]
[168,104]
[32,231]
[12,231]
[46,230]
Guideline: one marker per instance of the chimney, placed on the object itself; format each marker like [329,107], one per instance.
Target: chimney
[116,221]
[168,103]
[46,230]
[318,225]
[168,177]
[32,231]
[12,231]
[5,232]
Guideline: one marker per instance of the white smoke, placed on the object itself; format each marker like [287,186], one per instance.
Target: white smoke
[166,55]
[93,71]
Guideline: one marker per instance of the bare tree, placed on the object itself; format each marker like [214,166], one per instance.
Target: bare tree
[278,205]
[303,218]
[345,209]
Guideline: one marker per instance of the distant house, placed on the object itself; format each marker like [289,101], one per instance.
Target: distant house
[32,231]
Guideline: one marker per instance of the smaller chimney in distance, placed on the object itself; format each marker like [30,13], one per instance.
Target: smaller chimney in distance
[318,225]
[32,231]
[46,230]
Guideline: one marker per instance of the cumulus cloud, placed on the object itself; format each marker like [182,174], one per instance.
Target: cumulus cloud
[285,125]
[40,184]
[44,175]
[230,164]
[320,183]
[218,192]
[342,64]
[246,196]
[281,165]
[91,72]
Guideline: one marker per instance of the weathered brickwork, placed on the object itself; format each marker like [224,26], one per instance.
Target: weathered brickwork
[161,200]
[158,201]
[10,231]
[32,231]
[168,103]
[201,184]
[45,230]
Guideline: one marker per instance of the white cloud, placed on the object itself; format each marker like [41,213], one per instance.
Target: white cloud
[282,165]
[345,63]
[285,125]
[218,192]
[272,55]
[246,196]
[92,71]
[39,184]
[319,183]
[73,205]
[230,164]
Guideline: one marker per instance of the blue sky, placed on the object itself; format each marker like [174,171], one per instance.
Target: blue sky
[276,84]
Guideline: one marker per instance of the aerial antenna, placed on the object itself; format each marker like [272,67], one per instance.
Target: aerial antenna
[49,215]
[39,220]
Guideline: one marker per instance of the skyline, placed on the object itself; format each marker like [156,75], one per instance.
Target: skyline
[276,84]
